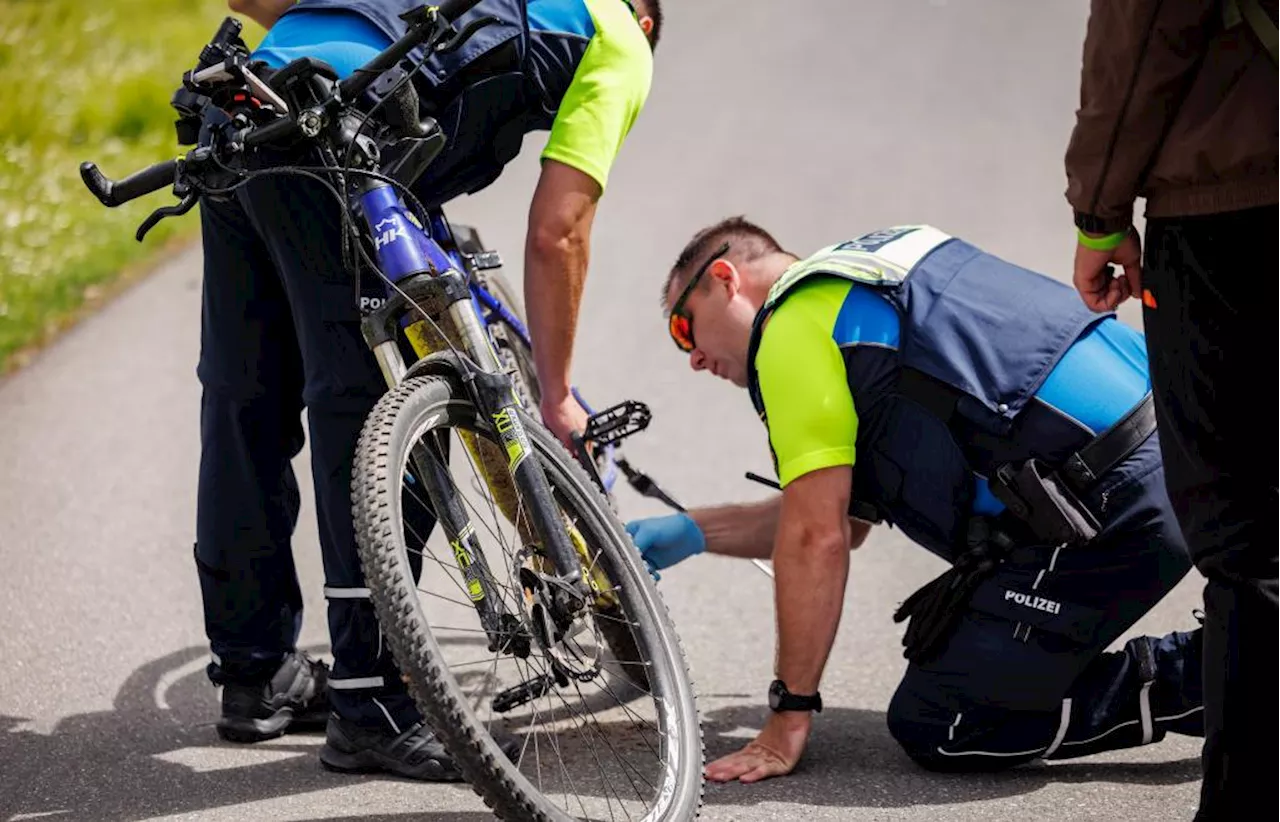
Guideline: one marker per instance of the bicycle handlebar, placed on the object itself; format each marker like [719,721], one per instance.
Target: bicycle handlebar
[117,192]
[112,193]
[451,10]
[276,130]
[419,30]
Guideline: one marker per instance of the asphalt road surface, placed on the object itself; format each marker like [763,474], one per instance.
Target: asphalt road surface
[818,119]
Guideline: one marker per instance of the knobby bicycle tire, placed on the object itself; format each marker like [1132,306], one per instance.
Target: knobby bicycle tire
[398,420]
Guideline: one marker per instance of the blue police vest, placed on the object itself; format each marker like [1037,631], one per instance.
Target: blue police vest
[948,393]
[499,85]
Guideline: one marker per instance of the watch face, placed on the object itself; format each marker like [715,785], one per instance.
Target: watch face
[776,690]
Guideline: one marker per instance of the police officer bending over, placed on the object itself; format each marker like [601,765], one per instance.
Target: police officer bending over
[281,332]
[908,377]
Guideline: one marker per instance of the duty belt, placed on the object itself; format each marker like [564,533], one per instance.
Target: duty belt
[1112,447]
[1043,499]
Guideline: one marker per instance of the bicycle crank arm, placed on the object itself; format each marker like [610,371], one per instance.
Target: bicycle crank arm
[583,456]
[527,691]
[645,485]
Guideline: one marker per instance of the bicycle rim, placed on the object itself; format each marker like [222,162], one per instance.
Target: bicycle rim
[598,743]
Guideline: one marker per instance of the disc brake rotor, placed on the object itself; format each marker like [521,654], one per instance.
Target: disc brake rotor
[573,644]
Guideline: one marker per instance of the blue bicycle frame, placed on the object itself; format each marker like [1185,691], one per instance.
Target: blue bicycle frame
[403,249]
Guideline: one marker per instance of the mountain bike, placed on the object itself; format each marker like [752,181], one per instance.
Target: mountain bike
[506,587]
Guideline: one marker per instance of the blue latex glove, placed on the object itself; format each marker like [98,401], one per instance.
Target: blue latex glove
[664,541]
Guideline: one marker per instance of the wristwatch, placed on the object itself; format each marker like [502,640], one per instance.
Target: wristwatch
[780,699]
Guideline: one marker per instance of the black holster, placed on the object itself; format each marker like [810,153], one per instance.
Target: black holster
[1045,499]
[1038,496]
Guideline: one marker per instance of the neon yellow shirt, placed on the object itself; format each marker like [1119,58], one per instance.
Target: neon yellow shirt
[801,372]
[610,86]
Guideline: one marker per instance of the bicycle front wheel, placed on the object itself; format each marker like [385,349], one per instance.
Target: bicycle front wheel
[603,732]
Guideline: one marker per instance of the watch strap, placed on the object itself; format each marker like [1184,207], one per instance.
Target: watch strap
[781,699]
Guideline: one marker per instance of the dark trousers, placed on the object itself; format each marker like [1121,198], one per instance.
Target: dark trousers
[1025,675]
[280,333]
[1211,334]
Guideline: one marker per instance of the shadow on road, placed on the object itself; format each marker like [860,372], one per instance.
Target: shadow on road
[107,766]
[852,761]
[141,759]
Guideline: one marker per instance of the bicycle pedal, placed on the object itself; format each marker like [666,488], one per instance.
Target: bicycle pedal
[523,693]
[616,423]
[484,260]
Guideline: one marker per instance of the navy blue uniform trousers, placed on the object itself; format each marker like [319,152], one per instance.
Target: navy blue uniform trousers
[280,333]
[1026,676]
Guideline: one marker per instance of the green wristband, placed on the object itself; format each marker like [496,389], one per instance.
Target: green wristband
[1107,243]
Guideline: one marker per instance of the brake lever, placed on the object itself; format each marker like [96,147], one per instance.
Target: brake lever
[182,207]
[456,41]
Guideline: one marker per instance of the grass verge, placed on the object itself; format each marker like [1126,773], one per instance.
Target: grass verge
[84,81]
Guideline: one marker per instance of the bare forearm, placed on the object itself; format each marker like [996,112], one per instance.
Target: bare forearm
[263,12]
[811,567]
[554,275]
[748,531]
[745,531]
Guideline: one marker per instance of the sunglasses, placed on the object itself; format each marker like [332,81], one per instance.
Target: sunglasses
[680,324]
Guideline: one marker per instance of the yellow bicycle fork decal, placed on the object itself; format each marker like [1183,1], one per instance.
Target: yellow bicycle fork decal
[513,437]
[466,564]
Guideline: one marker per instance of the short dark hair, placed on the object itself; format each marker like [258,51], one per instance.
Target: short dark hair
[653,10]
[747,240]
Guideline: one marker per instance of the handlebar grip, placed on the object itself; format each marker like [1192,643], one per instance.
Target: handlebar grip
[451,10]
[112,193]
[228,31]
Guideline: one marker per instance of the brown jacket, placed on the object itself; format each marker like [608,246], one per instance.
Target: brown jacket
[1157,66]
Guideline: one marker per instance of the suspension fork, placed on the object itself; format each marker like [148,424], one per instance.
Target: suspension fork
[492,392]
[404,249]
[428,465]
[503,628]
[494,396]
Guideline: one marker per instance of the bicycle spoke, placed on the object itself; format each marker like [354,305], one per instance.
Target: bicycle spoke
[596,757]
[643,722]
[560,759]
[587,732]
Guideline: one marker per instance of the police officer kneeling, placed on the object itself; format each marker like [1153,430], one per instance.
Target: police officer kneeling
[908,377]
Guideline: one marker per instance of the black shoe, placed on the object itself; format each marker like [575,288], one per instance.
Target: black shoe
[295,699]
[415,753]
